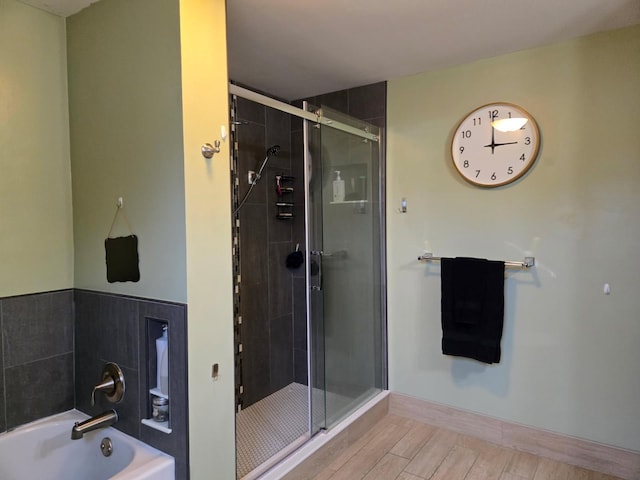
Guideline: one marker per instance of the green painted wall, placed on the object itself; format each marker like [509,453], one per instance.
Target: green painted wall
[126,141]
[570,353]
[205,107]
[148,86]
[36,237]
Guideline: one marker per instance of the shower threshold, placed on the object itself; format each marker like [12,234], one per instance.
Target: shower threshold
[272,438]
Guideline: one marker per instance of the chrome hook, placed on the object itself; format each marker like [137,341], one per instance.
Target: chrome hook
[209,150]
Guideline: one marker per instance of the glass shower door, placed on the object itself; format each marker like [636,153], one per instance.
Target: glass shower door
[345,269]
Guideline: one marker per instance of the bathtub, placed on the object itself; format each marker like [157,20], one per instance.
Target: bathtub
[43,450]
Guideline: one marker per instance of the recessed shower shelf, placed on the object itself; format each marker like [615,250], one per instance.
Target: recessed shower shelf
[162,426]
[156,391]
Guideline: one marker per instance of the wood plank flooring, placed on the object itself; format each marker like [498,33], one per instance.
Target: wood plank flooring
[398,448]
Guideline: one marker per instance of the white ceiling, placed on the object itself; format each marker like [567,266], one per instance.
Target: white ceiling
[64,8]
[294,49]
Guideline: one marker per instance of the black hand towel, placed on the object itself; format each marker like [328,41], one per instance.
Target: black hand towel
[472,308]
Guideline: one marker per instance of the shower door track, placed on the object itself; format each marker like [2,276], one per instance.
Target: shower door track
[317,118]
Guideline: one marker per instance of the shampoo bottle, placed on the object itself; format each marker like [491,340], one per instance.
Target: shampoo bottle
[161,354]
[338,188]
[164,372]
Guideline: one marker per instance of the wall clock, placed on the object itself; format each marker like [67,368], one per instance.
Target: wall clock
[495,144]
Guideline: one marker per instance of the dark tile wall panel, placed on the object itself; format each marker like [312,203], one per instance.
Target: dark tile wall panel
[114,328]
[278,132]
[299,313]
[37,326]
[53,346]
[249,111]
[38,389]
[281,355]
[297,170]
[255,342]
[368,102]
[254,264]
[107,331]
[36,357]
[280,282]
[300,373]
[251,154]
[337,100]
[266,285]
[177,443]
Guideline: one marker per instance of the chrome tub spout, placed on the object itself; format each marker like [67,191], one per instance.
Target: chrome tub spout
[104,420]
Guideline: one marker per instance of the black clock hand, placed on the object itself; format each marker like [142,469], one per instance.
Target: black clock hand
[493,141]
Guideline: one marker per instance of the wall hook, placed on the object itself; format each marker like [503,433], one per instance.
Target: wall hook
[209,150]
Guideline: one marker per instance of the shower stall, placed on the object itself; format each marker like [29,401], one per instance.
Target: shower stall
[309,292]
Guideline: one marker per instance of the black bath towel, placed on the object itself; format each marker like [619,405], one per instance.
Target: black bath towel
[472,308]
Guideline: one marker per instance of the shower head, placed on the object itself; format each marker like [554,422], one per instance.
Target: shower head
[273,150]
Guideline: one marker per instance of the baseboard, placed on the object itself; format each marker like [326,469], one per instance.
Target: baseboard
[614,461]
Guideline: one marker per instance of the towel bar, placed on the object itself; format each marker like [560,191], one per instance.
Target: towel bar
[527,263]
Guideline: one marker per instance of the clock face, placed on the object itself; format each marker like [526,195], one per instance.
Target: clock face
[487,156]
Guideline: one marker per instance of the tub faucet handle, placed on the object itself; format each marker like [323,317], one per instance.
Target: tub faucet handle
[112,384]
[104,386]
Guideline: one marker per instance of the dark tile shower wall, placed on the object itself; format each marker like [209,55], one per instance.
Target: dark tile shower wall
[272,298]
[53,346]
[114,328]
[266,287]
[36,357]
[368,102]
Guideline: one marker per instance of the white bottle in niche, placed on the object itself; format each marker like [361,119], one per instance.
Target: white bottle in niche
[164,372]
[161,355]
[338,188]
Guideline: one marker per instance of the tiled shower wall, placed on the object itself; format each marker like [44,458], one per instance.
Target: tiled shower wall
[36,378]
[272,298]
[266,295]
[55,344]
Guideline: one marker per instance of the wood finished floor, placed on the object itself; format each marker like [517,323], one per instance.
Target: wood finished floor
[398,448]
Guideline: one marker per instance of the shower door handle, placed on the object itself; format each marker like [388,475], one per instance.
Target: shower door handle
[318,254]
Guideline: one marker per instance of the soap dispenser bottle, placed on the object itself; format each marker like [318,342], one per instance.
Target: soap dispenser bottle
[162,360]
[338,188]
